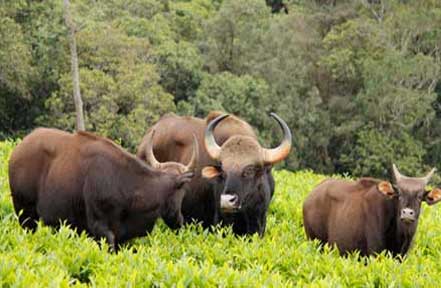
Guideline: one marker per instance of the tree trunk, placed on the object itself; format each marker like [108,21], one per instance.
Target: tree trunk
[75,74]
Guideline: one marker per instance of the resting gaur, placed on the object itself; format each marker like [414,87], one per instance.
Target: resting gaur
[94,185]
[368,215]
[233,182]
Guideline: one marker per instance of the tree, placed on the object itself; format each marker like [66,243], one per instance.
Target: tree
[374,152]
[16,73]
[245,96]
[180,67]
[75,74]
[120,88]
[233,36]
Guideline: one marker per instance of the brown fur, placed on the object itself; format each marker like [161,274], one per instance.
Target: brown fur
[338,212]
[173,142]
[241,151]
[363,215]
[91,183]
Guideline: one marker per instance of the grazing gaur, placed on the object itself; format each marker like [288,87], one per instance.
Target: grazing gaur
[368,215]
[94,185]
[233,181]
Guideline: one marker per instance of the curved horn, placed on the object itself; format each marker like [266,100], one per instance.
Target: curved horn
[271,156]
[429,175]
[194,156]
[150,157]
[210,142]
[397,175]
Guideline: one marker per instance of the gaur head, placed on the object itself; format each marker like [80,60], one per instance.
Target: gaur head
[171,167]
[243,166]
[409,193]
[178,174]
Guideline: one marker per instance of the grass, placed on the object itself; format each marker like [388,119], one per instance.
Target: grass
[196,258]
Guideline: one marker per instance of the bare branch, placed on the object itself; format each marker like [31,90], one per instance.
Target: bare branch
[75,73]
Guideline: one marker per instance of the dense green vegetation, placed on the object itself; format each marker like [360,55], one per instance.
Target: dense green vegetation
[359,82]
[197,258]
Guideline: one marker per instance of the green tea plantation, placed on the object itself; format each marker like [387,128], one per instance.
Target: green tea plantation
[197,258]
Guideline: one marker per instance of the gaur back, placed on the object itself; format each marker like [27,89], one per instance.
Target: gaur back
[93,185]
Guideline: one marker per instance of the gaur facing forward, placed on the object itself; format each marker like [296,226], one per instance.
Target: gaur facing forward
[94,185]
[368,215]
[233,182]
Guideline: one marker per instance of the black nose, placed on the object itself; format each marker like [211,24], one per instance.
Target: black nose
[407,215]
[234,200]
[229,203]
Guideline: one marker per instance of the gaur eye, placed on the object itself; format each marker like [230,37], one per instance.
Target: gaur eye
[221,172]
[249,172]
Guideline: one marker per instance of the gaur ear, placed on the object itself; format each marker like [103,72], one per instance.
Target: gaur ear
[386,188]
[433,196]
[210,172]
[184,178]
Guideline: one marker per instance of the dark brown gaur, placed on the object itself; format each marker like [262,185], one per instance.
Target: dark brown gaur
[368,215]
[94,185]
[171,166]
[233,182]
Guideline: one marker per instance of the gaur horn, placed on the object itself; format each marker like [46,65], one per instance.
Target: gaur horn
[398,176]
[150,157]
[279,153]
[429,175]
[194,156]
[210,142]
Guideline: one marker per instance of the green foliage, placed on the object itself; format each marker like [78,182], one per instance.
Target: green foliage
[194,257]
[401,89]
[120,89]
[233,35]
[15,58]
[188,17]
[333,70]
[180,67]
[16,70]
[374,152]
[244,96]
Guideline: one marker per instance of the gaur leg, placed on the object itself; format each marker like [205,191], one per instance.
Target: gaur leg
[212,208]
[373,248]
[314,227]
[239,223]
[262,227]
[102,216]
[26,211]
[99,227]
[374,243]
[254,223]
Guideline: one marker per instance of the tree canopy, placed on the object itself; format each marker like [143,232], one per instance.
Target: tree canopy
[358,82]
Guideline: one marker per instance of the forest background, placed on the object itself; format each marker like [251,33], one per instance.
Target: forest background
[358,82]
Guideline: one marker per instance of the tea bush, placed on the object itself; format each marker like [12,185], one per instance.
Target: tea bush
[195,257]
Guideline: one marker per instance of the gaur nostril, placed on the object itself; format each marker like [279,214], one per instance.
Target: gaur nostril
[408,215]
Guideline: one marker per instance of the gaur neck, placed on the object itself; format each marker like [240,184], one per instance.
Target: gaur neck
[400,235]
